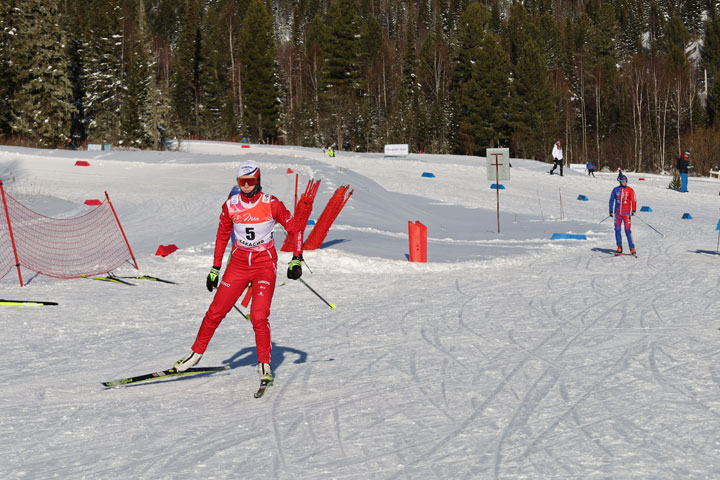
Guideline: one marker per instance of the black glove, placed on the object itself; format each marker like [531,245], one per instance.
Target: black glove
[610,214]
[212,278]
[295,269]
[632,213]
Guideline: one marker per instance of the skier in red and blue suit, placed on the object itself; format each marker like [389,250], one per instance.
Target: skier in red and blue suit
[623,206]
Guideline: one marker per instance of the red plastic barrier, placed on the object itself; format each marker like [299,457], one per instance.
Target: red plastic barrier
[417,233]
[303,209]
[165,250]
[82,163]
[327,217]
[245,146]
[93,202]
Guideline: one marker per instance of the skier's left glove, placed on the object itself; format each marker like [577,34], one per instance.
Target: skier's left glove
[632,213]
[295,268]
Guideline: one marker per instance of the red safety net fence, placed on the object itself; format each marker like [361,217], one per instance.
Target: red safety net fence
[91,244]
[303,209]
[327,217]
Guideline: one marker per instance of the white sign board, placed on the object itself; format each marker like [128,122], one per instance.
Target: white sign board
[578,167]
[94,146]
[498,162]
[398,150]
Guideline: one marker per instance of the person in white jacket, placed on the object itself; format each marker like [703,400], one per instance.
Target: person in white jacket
[557,154]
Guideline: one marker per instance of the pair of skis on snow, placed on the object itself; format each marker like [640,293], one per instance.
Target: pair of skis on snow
[171,372]
[115,279]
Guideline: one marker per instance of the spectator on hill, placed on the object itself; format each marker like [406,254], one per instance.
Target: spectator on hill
[557,155]
[590,169]
[683,166]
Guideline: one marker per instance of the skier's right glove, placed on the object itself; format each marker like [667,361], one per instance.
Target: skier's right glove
[212,278]
[610,214]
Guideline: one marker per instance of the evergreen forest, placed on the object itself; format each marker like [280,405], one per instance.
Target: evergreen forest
[629,83]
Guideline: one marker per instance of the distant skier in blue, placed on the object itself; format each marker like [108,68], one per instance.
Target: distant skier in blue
[623,206]
[683,164]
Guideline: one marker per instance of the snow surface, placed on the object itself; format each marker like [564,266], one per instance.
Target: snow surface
[506,356]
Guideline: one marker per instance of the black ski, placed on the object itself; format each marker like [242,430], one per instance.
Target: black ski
[264,384]
[108,279]
[170,372]
[26,303]
[148,277]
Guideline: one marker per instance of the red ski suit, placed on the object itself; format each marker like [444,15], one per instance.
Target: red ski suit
[253,259]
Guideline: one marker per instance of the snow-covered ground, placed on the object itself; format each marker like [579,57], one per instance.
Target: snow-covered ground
[506,356]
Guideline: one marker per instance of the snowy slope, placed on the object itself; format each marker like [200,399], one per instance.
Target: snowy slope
[506,356]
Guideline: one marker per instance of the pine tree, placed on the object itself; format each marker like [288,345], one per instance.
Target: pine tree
[532,116]
[143,109]
[40,106]
[710,60]
[631,26]
[489,88]
[313,57]
[103,71]
[185,94]
[217,109]
[9,79]
[341,81]
[471,32]
[408,115]
[603,79]
[260,84]
[435,78]
[76,28]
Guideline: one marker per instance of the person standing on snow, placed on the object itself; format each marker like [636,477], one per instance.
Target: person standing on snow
[683,164]
[557,155]
[252,215]
[590,169]
[623,205]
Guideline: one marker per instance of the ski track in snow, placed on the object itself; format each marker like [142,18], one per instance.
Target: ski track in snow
[506,357]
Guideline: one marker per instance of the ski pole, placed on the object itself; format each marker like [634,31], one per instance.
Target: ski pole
[246,315]
[541,212]
[331,305]
[307,266]
[651,226]
[605,218]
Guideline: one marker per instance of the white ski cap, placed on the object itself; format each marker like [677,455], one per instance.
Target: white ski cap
[248,169]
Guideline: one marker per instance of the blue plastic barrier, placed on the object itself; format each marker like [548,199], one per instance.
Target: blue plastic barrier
[428,174]
[583,198]
[687,216]
[499,187]
[568,236]
[645,208]
[311,222]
